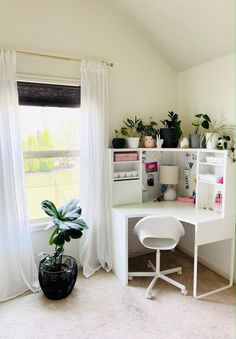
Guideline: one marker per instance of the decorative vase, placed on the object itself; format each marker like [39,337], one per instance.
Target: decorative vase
[169,137]
[194,140]
[211,140]
[184,143]
[133,142]
[149,141]
[159,143]
[58,282]
[118,142]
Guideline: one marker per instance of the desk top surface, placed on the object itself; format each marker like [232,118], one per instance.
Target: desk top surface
[185,212]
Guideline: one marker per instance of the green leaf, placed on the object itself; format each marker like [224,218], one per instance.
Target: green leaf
[59,239]
[75,233]
[206,117]
[67,235]
[205,124]
[124,131]
[70,206]
[82,223]
[51,239]
[49,208]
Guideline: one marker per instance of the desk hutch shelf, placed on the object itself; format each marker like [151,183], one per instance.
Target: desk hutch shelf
[214,172]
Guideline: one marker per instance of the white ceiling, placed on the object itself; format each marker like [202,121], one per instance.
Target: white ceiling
[186,32]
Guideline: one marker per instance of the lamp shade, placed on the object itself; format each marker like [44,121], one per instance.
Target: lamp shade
[169,174]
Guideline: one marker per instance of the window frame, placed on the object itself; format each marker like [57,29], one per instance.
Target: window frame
[41,223]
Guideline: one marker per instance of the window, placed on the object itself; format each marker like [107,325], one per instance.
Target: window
[50,142]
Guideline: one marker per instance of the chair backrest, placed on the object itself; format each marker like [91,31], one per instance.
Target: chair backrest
[159,232]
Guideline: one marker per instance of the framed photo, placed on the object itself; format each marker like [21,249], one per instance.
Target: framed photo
[151,167]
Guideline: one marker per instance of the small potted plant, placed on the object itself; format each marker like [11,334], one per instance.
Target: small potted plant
[215,131]
[58,272]
[118,142]
[202,120]
[131,131]
[149,133]
[171,132]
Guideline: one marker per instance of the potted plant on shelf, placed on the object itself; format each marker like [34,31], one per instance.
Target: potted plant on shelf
[118,142]
[58,272]
[131,131]
[148,132]
[203,121]
[216,130]
[172,132]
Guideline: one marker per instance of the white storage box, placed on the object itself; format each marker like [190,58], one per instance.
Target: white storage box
[215,160]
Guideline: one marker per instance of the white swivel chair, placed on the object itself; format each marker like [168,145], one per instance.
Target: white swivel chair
[159,233]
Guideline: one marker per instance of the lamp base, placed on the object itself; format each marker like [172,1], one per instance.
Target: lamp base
[170,194]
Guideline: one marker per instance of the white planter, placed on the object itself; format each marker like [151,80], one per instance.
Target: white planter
[211,140]
[133,142]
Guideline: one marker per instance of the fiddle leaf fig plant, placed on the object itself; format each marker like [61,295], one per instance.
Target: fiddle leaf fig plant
[66,224]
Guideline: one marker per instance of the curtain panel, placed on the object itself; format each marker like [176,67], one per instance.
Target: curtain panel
[95,194]
[18,271]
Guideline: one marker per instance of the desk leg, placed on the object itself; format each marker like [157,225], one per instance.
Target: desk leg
[195,269]
[120,247]
[218,289]
[232,261]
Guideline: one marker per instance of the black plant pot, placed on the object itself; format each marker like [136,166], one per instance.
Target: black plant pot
[57,283]
[118,142]
[169,137]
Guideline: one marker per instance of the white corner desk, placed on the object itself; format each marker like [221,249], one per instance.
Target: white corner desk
[209,227]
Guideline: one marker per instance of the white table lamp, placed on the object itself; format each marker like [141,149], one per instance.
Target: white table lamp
[169,175]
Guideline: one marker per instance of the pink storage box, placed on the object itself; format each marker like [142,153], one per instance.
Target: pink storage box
[186,199]
[129,156]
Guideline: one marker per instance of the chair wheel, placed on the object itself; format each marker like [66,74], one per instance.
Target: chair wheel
[184,291]
[149,295]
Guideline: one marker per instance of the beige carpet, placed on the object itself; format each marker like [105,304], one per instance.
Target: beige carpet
[100,307]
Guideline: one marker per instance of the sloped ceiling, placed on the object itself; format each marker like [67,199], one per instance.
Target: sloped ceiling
[186,32]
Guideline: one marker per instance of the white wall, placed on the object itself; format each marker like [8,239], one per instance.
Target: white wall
[208,88]
[141,81]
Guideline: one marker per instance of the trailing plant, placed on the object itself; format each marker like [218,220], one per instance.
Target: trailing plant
[202,120]
[173,122]
[66,224]
[225,143]
[220,128]
[131,127]
[149,129]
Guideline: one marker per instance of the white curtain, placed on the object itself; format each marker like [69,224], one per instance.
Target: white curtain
[18,272]
[95,195]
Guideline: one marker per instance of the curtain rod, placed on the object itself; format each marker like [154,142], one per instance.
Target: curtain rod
[111,64]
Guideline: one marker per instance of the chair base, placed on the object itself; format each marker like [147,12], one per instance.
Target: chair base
[157,274]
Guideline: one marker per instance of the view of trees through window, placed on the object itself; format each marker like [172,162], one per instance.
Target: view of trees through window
[50,142]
